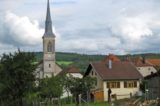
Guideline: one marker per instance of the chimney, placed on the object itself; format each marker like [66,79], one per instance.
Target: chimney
[110,64]
[143,60]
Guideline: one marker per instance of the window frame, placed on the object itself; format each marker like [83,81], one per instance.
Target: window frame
[113,84]
[130,84]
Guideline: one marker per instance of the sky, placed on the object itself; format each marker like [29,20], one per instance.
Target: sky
[82,26]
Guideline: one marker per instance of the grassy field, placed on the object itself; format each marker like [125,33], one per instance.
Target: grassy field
[64,62]
[95,104]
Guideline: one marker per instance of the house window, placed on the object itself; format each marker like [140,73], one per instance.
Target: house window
[96,82]
[49,47]
[92,73]
[49,65]
[113,84]
[130,84]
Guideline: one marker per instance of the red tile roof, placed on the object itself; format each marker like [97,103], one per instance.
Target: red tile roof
[154,62]
[119,70]
[111,57]
[139,62]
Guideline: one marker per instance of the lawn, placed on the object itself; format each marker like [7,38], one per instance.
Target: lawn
[64,62]
[93,104]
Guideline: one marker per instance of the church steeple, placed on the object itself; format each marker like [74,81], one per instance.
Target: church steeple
[48,23]
[49,67]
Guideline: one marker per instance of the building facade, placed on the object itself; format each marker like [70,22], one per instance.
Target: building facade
[48,67]
[121,77]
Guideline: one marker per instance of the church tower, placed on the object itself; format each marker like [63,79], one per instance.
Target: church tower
[49,65]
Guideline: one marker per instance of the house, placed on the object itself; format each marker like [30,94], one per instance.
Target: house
[71,71]
[48,67]
[153,85]
[121,77]
[143,66]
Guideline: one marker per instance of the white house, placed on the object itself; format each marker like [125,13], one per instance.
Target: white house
[121,77]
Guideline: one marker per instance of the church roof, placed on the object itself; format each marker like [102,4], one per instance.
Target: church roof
[48,23]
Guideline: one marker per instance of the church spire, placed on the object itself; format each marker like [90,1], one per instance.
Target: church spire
[48,23]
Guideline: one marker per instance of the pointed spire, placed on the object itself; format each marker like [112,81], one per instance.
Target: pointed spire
[48,16]
[48,23]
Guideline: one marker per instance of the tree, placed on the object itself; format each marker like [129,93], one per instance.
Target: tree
[81,86]
[51,87]
[16,77]
[143,85]
[67,83]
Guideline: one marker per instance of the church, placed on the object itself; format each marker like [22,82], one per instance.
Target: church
[48,67]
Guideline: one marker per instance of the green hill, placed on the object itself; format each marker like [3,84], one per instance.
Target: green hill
[79,60]
[82,60]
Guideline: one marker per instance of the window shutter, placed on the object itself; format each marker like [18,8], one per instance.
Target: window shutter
[125,84]
[135,84]
[118,84]
[108,85]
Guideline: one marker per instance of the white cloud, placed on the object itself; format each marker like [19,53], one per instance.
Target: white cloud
[89,26]
[132,28]
[22,30]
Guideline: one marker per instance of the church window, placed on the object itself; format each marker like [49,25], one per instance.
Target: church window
[49,47]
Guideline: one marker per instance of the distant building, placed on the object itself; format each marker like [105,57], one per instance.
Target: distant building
[71,71]
[112,57]
[155,63]
[143,66]
[121,77]
[48,67]
[153,85]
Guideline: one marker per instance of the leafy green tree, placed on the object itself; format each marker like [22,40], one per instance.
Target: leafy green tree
[67,83]
[81,86]
[51,87]
[16,77]
[143,86]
